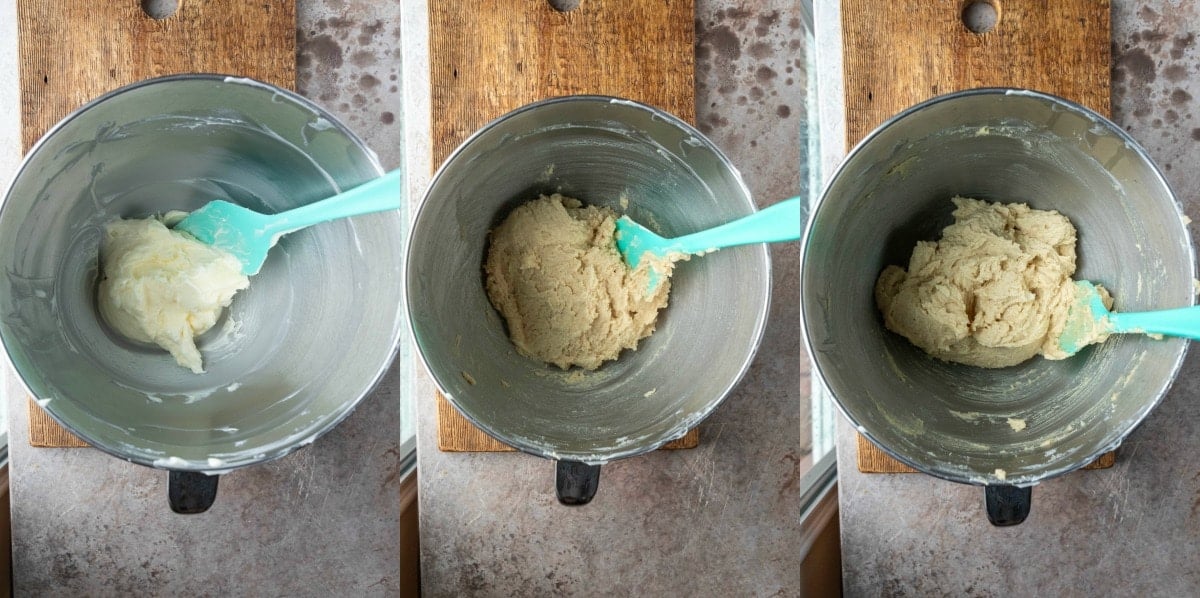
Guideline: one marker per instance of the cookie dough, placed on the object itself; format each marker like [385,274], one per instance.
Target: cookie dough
[164,287]
[993,292]
[554,273]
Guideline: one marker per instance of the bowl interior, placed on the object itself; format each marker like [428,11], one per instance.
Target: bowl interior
[610,153]
[1039,418]
[294,352]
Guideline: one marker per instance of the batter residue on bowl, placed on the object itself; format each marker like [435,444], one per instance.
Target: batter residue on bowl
[554,273]
[994,291]
[164,287]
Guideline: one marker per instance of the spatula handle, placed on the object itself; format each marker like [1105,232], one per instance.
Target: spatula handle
[780,222]
[1182,322]
[377,195]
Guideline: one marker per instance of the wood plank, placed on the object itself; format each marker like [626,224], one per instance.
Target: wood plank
[71,51]
[902,53]
[483,65]
[899,54]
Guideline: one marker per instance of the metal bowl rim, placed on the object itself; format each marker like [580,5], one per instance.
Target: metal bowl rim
[858,148]
[522,444]
[199,466]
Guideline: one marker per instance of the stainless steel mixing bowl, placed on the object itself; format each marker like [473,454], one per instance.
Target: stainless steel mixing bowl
[1013,426]
[607,152]
[294,353]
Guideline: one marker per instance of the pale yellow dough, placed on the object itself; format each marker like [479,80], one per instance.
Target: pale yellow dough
[164,287]
[554,273]
[993,292]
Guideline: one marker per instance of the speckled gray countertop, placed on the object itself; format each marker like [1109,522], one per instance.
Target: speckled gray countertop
[722,519]
[1132,530]
[320,522]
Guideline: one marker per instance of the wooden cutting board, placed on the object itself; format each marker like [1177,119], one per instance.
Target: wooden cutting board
[900,53]
[493,56]
[72,51]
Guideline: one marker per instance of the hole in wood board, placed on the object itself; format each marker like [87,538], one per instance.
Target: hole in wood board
[564,5]
[159,9]
[981,16]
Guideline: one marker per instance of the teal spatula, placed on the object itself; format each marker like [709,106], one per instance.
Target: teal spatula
[780,222]
[249,235]
[1089,321]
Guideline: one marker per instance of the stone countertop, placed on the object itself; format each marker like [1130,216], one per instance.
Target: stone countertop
[1130,530]
[321,521]
[720,519]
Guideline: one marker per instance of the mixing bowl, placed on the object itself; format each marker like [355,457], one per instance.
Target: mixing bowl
[294,353]
[1015,426]
[608,152]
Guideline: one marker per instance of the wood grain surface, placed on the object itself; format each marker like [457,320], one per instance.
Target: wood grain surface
[902,53]
[71,51]
[503,54]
